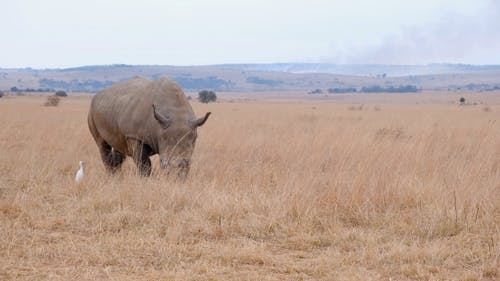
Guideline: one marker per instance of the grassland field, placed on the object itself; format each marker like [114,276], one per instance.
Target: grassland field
[345,187]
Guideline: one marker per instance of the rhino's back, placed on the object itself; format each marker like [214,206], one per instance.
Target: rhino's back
[131,94]
[121,94]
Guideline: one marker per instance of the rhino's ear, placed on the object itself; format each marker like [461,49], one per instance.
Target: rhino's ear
[164,121]
[200,121]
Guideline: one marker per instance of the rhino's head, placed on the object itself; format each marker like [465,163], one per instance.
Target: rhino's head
[176,143]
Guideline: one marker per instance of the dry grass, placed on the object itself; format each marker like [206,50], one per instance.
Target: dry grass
[52,101]
[277,192]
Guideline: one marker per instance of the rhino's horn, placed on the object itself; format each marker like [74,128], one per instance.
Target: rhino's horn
[200,121]
[163,120]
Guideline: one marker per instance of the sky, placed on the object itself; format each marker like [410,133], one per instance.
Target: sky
[62,33]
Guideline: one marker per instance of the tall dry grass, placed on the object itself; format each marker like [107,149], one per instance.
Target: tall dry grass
[276,192]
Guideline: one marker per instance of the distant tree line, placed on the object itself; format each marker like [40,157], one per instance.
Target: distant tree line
[28,90]
[211,82]
[390,89]
[261,81]
[342,90]
[75,85]
[370,89]
[482,87]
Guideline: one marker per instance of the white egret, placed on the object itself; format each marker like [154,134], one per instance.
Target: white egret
[79,174]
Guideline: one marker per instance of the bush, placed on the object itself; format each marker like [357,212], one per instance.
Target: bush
[207,96]
[317,91]
[52,101]
[341,90]
[462,100]
[1,94]
[61,94]
[357,107]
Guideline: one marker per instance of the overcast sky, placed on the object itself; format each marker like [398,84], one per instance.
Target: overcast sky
[64,33]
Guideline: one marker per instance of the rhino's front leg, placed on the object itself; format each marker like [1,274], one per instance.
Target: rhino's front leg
[141,153]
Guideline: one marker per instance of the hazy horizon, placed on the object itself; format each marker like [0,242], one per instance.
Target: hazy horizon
[61,34]
[270,63]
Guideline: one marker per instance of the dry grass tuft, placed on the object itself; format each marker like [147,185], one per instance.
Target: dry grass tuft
[52,101]
[276,192]
[355,107]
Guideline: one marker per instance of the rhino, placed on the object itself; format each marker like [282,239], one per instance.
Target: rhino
[140,118]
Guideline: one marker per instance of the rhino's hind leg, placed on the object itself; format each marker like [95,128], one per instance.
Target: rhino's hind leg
[141,153]
[112,159]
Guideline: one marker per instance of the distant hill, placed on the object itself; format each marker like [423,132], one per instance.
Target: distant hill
[370,69]
[260,77]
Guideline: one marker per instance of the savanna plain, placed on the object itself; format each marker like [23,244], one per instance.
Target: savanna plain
[278,190]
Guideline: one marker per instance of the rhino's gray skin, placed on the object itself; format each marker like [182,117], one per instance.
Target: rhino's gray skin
[140,118]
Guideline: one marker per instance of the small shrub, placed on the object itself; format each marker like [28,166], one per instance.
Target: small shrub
[462,100]
[317,91]
[490,272]
[357,107]
[52,101]
[486,109]
[207,96]
[61,94]
[1,94]
[342,90]
[393,133]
